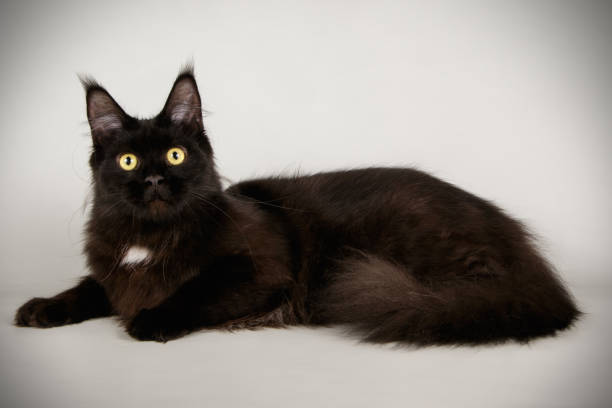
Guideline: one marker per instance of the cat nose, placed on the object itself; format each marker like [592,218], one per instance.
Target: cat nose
[154,181]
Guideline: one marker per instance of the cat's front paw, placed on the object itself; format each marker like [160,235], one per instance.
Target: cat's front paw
[41,312]
[154,324]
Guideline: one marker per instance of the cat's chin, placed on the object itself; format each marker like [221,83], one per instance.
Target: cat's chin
[158,208]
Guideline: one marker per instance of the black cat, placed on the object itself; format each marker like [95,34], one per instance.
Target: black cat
[392,253]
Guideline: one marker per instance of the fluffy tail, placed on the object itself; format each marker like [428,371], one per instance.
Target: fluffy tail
[385,303]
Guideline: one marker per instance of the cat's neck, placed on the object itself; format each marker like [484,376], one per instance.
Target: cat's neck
[208,219]
[204,214]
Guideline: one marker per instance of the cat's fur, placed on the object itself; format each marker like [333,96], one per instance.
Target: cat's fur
[392,253]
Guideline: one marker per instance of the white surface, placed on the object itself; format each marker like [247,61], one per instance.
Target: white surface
[95,364]
[509,100]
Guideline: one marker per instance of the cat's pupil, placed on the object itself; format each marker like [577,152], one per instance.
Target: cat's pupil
[175,155]
[128,160]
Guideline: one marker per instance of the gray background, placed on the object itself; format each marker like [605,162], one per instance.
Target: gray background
[509,100]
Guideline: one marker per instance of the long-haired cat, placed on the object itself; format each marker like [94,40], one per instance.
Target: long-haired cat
[392,253]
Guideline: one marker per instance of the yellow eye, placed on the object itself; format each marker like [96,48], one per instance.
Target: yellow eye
[175,156]
[128,161]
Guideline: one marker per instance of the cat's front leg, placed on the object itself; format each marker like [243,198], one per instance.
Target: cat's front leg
[157,324]
[85,301]
[214,297]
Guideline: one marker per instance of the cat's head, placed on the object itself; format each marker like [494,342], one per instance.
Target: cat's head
[150,168]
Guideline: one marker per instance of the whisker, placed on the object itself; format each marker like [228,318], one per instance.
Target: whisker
[255,201]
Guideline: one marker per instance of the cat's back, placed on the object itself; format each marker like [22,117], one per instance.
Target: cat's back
[396,213]
[357,190]
[369,207]
[331,185]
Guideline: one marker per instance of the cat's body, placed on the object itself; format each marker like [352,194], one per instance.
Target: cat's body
[395,254]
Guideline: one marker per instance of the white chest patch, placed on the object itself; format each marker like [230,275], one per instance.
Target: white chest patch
[135,255]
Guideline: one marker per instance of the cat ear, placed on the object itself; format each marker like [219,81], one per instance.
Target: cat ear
[183,105]
[105,116]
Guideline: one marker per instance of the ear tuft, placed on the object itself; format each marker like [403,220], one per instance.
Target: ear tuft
[88,82]
[183,105]
[186,69]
